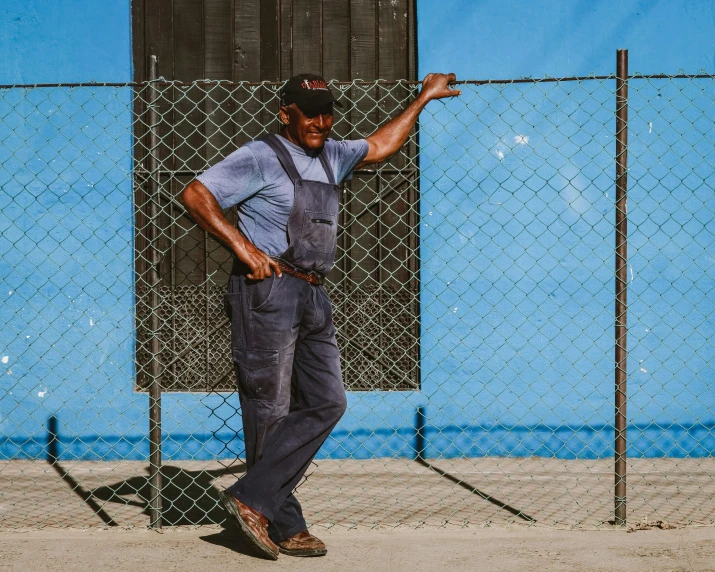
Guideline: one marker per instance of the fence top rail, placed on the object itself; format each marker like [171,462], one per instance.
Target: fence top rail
[164,81]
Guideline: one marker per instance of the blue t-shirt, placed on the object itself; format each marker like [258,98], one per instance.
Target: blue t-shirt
[252,178]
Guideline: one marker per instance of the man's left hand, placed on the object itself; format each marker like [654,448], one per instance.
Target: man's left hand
[391,136]
[436,86]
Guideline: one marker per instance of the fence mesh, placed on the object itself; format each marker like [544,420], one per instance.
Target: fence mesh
[473,293]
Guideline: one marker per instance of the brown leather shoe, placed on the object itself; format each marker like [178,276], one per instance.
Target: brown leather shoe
[303,544]
[252,523]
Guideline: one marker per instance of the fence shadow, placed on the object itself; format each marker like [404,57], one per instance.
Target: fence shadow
[86,496]
[188,497]
[420,422]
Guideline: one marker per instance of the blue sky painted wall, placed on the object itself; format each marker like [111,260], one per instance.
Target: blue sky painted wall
[517,231]
[499,362]
[519,38]
[68,41]
[67,243]
[66,272]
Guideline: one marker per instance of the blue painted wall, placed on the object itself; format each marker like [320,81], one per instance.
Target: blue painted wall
[66,256]
[517,233]
[66,279]
[67,41]
[501,373]
[515,38]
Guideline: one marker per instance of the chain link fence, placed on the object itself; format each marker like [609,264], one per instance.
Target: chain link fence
[474,296]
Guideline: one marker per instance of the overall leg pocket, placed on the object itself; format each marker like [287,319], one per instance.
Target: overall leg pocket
[259,292]
[232,305]
[257,372]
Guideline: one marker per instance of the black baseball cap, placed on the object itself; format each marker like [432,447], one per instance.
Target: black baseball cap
[308,91]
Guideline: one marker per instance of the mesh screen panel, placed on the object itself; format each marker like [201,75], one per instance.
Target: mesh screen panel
[473,295]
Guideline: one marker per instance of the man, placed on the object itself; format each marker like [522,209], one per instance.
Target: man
[282,334]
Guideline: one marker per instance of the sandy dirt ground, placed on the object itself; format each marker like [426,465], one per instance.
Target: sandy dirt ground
[377,515]
[503,549]
[366,494]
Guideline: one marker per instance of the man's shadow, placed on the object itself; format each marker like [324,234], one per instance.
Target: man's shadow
[188,498]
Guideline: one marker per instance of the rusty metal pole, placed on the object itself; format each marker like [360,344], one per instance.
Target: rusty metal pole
[155,483]
[621,282]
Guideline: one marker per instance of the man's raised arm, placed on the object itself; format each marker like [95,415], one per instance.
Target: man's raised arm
[388,139]
[203,207]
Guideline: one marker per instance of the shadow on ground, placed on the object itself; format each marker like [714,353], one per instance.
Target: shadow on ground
[230,538]
[188,497]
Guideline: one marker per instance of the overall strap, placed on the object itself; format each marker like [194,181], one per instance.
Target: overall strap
[283,156]
[326,166]
[287,162]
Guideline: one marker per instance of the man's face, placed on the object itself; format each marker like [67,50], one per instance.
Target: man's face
[309,130]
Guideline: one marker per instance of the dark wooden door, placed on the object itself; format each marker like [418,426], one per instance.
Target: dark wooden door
[271,40]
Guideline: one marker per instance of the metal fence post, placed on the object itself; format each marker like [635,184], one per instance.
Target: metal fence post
[621,282]
[420,420]
[155,520]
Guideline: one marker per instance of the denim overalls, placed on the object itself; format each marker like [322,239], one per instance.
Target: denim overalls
[285,355]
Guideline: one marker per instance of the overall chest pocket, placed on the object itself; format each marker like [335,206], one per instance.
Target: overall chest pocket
[319,231]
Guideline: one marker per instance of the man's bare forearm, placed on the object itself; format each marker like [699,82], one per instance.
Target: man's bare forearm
[205,210]
[388,139]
